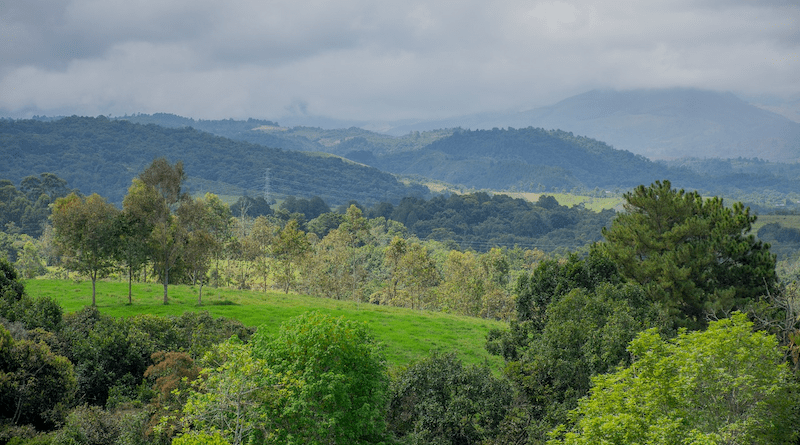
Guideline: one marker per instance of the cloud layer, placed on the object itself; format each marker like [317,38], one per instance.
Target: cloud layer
[371,59]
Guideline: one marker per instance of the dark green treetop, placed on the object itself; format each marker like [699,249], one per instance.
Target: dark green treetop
[694,255]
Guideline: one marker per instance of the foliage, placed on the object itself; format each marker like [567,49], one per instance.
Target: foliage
[342,389]
[30,262]
[11,287]
[36,385]
[439,401]
[415,276]
[585,334]
[107,352]
[547,283]
[25,210]
[694,256]
[92,425]
[86,230]
[479,221]
[310,208]
[194,438]
[724,385]
[289,249]
[235,395]
[171,374]
[98,155]
[251,206]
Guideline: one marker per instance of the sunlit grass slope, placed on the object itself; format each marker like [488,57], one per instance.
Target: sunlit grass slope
[406,334]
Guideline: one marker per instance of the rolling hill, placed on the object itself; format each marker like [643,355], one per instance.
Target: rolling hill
[101,155]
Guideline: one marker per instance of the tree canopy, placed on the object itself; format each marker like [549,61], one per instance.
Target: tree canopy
[694,255]
[724,385]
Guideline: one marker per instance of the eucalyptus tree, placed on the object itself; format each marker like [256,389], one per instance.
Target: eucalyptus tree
[289,248]
[197,219]
[86,231]
[156,195]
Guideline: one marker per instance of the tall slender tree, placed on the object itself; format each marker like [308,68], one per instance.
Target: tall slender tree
[158,198]
[289,247]
[196,219]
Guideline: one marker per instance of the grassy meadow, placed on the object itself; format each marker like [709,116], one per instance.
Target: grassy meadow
[406,334]
[790,221]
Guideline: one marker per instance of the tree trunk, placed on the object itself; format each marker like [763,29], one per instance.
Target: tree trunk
[166,283]
[130,285]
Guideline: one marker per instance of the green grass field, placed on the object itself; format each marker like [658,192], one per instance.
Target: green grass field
[406,334]
[790,221]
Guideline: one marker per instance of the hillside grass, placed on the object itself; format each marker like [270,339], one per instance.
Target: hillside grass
[406,334]
[570,200]
[789,221]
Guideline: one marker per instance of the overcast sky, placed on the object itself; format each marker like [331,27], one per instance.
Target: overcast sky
[372,59]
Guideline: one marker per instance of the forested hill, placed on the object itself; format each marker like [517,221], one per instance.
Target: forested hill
[101,155]
[528,159]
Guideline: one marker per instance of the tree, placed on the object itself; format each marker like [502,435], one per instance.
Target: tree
[289,248]
[355,232]
[724,385]
[220,227]
[86,230]
[134,247]
[30,262]
[343,381]
[327,271]
[417,275]
[36,385]
[197,220]
[694,256]
[157,195]
[260,245]
[11,288]
[172,374]
[464,283]
[391,258]
[439,401]
[234,394]
[585,334]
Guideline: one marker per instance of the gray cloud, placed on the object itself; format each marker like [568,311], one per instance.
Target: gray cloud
[367,59]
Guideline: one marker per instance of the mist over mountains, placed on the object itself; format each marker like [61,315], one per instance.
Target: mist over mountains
[658,124]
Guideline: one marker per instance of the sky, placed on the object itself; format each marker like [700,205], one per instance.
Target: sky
[381,60]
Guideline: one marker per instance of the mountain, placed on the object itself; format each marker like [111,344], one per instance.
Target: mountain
[526,159]
[98,155]
[676,123]
[658,124]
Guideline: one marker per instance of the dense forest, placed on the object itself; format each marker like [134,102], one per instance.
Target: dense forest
[98,155]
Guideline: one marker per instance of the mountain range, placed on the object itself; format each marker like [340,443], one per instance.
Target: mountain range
[246,156]
[658,124]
